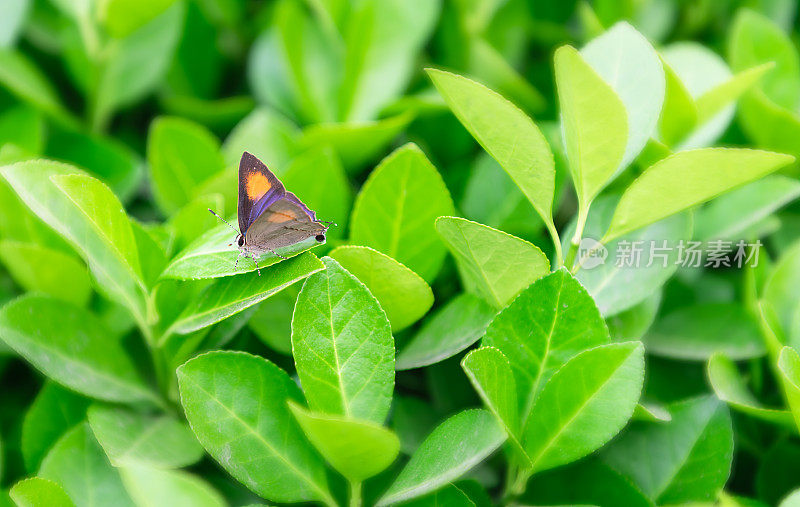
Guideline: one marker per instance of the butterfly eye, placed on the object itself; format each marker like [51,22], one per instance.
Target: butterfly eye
[320,237]
[240,240]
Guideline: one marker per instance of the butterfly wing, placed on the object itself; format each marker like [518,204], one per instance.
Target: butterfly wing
[284,222]
[258,189]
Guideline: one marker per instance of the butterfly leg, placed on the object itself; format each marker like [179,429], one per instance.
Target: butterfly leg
[255,261]
[277,254]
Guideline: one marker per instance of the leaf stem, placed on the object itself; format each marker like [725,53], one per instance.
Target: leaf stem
[551,228]
[355,494]
[583,212]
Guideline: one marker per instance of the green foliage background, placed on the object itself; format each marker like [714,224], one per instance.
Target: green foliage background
[449,344]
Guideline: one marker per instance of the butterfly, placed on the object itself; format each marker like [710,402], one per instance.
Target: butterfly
[270,217]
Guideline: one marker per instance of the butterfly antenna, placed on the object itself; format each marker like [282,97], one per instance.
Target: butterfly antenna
[329,223]
[229,224]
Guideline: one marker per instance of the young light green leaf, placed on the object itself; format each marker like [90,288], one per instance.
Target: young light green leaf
[628,63]
[230,295]
[729,386]
[343,346]
[38,268]
[267,135]
[403,295]
[52,413]
[89,216]
[490,374]
[395,211]
[72,347]
[782,289]
[213,255]
[595,124]
[450,495]
[135,439]
[584,404]
[715,100]
[153,486]
[36,492]
[492,264]
[236,404]
[356,449]
[651,412]
[77,463]
[550,322]
[182,155]
[506,133]
[697,332]
[789,370]
[453,448]
[453,328]
[730,215]
[695,450]
[679,112]
[686,179]
[755,40]
[356,143]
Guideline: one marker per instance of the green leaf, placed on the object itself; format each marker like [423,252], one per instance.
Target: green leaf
[267,135]
[182,155]
[230,295]
[191,221]
[686,179]
[72,347]
[695,333]
[715,100]
[453,328]
[449,495]
[356,143]
[679,112]
[35,492]
[730,387]
[395,211]
[695,450]
[343,346]
[52,272]
[380,61]
[13,16]
[730,215]
[493,265]
[52,413]
[755,40]
[699,69]
[23,126]
[403,295]
[152,486]
[550,322]
[24,80]
[782,289]
[587,482]
[122,17]
[317,178]
[789,372]
[135,439]
[634,322]
[213,255]
[594,121]
[631,67]
[490,374]
[136,64]
[584,404]
[77,463]
[272,320]
[86,213]
[236,404]
[452,449]
[506,133]
[356,449]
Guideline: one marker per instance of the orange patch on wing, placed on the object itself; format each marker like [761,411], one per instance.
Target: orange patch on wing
[257,186]
[281,216]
